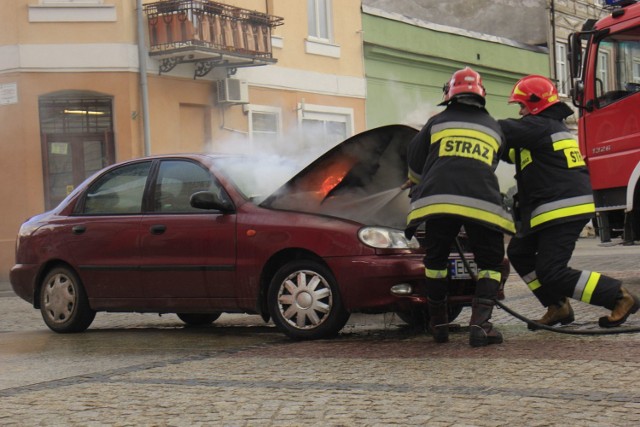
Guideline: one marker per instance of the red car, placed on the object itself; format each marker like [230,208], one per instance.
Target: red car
[193,234]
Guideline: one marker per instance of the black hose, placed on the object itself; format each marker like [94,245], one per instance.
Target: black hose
[532,324]
[535,325]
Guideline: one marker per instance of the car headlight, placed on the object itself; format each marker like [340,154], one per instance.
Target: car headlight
[386,238]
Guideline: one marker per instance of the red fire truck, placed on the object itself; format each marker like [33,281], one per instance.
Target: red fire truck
[604,60]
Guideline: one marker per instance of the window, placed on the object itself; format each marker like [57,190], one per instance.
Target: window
[319,19]
[618,73]
[323,127]
[602,72]
[265,124]
[118,192]
[177,181]
[562,72]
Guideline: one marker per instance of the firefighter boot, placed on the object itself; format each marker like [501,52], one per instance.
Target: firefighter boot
[481,331]
[561,312]
[626,304]
[439,320]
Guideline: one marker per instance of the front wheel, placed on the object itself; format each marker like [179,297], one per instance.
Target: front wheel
[304,301]
[63,302]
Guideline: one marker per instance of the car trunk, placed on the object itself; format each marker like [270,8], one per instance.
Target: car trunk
[359,179]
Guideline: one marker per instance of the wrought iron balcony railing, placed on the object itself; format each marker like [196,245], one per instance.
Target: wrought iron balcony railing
[209,34]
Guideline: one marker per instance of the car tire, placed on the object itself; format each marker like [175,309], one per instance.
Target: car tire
[63,302]
[418,317]
[304,301]
[198,319]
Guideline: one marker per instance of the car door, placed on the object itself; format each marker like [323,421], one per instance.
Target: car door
[102,235]
[188,254]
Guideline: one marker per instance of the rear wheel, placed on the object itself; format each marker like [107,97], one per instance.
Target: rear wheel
[63,302]
[198,319]
[304,301]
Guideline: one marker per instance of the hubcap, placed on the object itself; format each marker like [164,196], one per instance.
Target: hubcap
[59,298]
[305,299]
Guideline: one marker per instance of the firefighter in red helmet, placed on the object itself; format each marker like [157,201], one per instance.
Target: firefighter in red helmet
[555,202]
[452,163]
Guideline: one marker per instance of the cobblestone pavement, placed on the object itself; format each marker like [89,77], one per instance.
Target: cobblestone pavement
[145,370]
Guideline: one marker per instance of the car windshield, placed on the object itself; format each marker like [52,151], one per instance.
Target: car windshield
[257,177]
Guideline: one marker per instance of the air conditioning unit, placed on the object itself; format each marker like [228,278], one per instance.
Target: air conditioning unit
[233,91]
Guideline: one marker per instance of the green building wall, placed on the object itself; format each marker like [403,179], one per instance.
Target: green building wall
[408,62]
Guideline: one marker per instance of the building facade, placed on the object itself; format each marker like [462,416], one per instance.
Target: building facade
[86,83]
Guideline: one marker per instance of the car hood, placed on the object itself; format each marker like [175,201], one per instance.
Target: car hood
[359,179]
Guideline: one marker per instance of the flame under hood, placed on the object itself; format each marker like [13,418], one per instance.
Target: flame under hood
[359,179]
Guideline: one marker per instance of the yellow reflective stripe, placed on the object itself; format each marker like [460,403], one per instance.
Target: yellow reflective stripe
[534,284]
[473,213]
[490,274]
[467,133]
[525,158]
[590,287]
[512,155]
[413,177]
[435,274]
[565,143]
[562,213]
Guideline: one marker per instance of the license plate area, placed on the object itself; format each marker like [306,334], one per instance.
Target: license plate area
[458,270]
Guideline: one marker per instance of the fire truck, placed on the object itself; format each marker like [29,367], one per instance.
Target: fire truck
[604,61]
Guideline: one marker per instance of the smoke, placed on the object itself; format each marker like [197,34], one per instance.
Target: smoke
[263,165]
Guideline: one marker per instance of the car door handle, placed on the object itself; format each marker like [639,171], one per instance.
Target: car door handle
[78,229]
[158,229]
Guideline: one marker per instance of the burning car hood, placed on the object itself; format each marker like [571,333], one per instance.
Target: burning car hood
[359,179]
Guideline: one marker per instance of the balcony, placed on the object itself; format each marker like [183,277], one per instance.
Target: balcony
[208,34]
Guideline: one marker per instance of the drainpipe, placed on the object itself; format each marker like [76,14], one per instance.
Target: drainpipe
[144,91]
[553,49]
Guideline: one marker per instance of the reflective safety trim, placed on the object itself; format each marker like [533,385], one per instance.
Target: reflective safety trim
[482,137]
[586,285]
[413,176]
[463,206]
[571,151]
[559,136]
[435,274]
[565,143]
[562,209]
[490,274]
[530,277]
[467,125]
[534,284]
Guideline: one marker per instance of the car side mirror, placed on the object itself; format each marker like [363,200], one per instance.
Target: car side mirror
[211,201]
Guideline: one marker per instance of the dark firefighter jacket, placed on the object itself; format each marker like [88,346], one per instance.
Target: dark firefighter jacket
[451,163]
[553,180]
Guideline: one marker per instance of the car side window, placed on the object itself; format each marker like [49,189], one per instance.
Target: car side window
[118,192]
[177,181]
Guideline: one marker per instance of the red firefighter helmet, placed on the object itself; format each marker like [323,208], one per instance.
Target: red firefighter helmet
[537,93]
[465,81]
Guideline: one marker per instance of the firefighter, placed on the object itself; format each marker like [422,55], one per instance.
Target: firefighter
[555,203]
[452,163]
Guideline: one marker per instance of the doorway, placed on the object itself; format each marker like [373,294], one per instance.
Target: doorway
[77,141]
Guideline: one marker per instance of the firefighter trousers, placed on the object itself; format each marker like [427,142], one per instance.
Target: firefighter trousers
[542,258]
[486,244]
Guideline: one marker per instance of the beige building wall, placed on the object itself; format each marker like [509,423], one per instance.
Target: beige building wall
[91,45]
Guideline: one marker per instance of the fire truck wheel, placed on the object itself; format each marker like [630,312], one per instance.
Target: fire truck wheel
[304,301]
